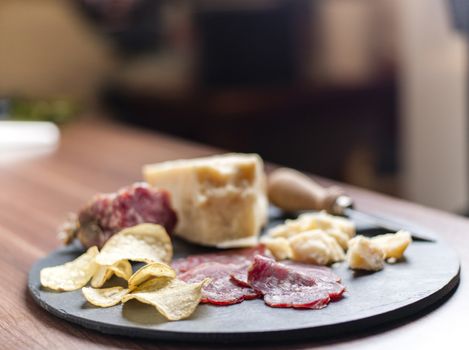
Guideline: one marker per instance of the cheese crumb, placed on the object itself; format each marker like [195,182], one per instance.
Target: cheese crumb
[315,247]
[338,227]
[318,238]
[364,254]
[393,244]
[279,247]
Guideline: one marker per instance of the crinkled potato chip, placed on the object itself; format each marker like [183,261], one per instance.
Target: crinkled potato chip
[150,271]
[152,284]
[102,274]
[104,297]
[145,242]
[122,269]
[72,275]
[174,299]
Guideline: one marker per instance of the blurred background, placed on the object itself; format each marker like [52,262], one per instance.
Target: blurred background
[369,92]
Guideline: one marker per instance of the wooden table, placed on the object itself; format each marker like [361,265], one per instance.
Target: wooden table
[99,155]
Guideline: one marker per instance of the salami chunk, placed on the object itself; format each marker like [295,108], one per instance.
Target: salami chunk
[108,213]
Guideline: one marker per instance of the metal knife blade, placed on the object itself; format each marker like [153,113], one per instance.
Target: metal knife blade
[389,225]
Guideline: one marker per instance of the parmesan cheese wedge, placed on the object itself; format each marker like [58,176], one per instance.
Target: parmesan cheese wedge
[220,200]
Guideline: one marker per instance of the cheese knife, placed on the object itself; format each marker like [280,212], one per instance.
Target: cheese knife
[293,191]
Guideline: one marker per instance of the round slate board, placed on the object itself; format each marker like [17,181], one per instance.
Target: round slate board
[428,273]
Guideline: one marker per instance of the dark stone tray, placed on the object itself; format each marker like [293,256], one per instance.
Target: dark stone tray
[428,273]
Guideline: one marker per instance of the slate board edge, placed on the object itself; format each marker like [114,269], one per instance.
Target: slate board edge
[317,332]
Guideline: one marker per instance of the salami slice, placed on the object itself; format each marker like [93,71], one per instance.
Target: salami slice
[287,285]
[240,275]
[321,272]
[235,257]
[221,290]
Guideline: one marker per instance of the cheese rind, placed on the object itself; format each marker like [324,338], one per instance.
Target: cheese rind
[220,200]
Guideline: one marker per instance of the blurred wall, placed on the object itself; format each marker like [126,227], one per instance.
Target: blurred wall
[433,87]
[355,40]
[46,49]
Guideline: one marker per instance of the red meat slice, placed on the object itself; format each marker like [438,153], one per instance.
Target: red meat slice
[240,275]
[235,257]
[321,272]
[282,285]
[221,290]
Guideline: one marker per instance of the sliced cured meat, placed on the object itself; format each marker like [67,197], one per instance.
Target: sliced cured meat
[321,272]
[240,275]
[235,257]
[221,290]
[220,267]
[108,213]
[283,286]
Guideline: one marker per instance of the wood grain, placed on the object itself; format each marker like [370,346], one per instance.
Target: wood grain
[99,155]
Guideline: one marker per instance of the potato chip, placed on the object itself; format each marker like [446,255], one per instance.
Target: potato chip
[102,274]
[104,297]
[150,271]
[121,269]
[72,275]
[173,298]
[145,242]
[152,284]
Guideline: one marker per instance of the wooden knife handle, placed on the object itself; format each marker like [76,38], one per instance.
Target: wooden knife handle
[291,190]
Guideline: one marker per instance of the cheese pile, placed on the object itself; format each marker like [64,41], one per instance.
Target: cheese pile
[220,200]
[320,238]
[317,238]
